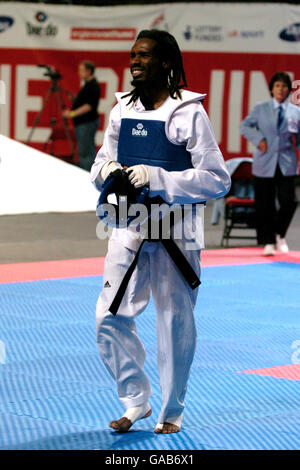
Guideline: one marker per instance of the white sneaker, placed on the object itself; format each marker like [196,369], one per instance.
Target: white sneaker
[281,244]
[269,250]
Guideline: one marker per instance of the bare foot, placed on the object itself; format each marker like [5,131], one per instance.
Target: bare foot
[124,424]
[167,428]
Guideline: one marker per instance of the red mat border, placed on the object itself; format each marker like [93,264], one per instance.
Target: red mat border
[288,371]
[42,270]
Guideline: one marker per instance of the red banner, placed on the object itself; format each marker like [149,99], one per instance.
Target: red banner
[229,79]
[228,54]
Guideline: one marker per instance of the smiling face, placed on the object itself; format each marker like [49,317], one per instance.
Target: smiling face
[145,65]
[280,91]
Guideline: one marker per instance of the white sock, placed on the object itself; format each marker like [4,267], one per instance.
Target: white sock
[136,412]
[176,420]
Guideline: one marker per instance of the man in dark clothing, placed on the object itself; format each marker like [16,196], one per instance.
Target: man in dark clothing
[85,116]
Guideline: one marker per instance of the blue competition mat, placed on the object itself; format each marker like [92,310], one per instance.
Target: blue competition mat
[56,394]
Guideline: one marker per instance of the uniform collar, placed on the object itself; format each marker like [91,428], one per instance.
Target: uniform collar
[138,105]
[276,104]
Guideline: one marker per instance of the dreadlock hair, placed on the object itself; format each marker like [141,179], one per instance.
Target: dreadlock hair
[167,49]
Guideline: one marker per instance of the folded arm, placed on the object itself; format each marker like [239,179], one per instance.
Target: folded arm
[190,126]
[209,178]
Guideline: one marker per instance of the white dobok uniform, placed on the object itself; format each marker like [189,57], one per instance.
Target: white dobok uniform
[186,124]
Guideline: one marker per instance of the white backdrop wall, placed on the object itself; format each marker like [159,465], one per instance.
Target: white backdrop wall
[33,182]
[230,52]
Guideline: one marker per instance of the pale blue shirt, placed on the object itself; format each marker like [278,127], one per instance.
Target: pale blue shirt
[276,105]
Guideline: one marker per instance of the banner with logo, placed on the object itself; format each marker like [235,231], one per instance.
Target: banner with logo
[230,52]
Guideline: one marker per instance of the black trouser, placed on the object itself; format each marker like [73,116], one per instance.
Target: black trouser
[272,218]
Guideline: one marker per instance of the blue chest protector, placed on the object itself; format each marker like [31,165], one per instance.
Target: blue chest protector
[143,141]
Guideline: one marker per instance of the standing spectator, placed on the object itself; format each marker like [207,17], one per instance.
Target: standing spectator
[84,114]
[273,127]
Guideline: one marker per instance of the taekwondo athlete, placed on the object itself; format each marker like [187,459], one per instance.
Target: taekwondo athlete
[163,135]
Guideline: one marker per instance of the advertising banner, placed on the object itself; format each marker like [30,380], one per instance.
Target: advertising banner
[230,52]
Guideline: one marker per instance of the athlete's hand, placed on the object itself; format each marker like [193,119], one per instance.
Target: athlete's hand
[138,175]
[108,167]
[262,146]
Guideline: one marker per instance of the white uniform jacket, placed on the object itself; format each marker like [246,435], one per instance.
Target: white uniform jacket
[186,124]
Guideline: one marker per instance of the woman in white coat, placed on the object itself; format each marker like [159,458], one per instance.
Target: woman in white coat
[274,128]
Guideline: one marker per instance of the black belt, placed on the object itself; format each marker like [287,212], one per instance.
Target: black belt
[177,256]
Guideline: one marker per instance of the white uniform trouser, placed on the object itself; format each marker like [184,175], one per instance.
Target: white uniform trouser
[119,346]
